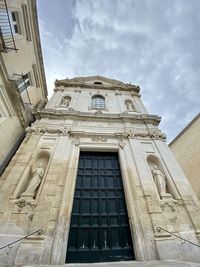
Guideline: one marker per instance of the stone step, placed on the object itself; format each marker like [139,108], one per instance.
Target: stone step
[168,263]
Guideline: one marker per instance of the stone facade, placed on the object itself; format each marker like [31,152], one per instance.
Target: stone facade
[20,55]
[156,190]
[186,147]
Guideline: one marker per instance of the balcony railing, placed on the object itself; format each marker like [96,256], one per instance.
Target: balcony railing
[7,42]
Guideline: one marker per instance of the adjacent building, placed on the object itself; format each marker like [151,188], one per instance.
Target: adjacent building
[22,78]
[186,148]
[95,174]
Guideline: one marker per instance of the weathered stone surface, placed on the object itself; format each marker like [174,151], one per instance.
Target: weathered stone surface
[163,200]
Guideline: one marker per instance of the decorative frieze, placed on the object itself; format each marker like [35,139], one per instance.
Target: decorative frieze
[152,134]
[41,129]
[99,139]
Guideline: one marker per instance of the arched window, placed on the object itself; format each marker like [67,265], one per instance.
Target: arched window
[98,102]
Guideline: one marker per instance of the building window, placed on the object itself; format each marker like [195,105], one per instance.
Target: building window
[24,82]
[98,83]
[15,24]
[98,102]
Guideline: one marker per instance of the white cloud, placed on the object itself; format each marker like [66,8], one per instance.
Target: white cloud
[151,43]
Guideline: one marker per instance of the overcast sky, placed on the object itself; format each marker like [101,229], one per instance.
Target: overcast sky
[151,43]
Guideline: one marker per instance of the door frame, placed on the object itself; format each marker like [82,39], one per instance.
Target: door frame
[60,241]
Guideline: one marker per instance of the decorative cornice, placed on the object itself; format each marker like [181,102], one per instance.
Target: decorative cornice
[96,137]
[60,85]
[74,114]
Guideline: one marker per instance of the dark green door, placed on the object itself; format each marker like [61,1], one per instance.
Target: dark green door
[99,228]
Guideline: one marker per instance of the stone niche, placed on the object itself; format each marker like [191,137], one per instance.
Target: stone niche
[29,186]
[163,183]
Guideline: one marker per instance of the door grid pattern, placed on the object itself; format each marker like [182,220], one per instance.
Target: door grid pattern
[99,229]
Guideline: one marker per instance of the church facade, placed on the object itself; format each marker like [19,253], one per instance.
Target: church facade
[95,174]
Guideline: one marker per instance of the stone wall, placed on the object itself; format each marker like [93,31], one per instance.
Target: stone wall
[186,149]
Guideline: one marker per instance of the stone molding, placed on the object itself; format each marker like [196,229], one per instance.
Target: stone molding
[65,130]
[74,114]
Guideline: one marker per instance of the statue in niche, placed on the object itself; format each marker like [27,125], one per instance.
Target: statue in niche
[160,181]
[129,105]
[35,180]
[65,101]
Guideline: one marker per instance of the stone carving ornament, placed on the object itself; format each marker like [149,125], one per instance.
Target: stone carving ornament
[129,105]
[157,135]
[99,139]
[22,203]
[35,181]
[154,135]
[65,101]
[40,129]
[76,141]
[36,129]
[160,181]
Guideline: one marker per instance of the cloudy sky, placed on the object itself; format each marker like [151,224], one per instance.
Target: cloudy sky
[151,43]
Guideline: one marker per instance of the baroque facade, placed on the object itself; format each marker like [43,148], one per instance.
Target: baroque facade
[95,174]
[22,78]
[186,148]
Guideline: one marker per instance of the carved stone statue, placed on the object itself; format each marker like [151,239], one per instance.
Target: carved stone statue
[35,181]
[160,181]
[129,105]
[65,101]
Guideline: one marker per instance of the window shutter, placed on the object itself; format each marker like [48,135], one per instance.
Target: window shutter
[26,22]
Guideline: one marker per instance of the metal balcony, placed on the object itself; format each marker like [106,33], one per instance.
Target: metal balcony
[7,42]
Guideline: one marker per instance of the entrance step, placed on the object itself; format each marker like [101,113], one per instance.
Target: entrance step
[169,263]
